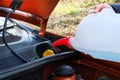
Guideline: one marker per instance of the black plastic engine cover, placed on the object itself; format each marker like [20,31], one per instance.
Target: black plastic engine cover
[22,41]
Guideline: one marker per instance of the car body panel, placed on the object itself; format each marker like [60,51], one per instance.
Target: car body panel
[40,8]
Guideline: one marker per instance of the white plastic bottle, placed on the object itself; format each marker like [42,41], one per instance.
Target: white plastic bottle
[99,35]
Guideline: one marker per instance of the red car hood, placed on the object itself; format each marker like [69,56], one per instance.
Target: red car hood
[33,11]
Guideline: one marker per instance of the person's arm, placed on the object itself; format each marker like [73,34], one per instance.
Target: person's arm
[100,7]
[116,7]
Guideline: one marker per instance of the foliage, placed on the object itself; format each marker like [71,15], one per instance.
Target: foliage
[68,14]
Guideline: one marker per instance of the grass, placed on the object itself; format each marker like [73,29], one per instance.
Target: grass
[68,14]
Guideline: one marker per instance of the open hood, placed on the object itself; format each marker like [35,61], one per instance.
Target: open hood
[33,11]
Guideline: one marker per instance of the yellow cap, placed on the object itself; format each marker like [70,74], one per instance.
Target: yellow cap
[48,52]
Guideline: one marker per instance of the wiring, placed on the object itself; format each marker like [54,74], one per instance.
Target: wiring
[7,28]
[3,36]
[22,27]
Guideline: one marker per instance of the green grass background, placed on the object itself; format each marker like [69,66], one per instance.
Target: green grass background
[68,14]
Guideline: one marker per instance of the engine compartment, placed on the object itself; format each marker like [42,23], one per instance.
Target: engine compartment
[29,46]
[22,41]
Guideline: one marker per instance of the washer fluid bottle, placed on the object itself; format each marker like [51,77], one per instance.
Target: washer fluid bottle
[99,35]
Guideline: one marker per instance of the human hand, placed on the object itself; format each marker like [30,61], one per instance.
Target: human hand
[100,7]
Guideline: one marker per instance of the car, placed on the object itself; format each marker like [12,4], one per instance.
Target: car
[28,53]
